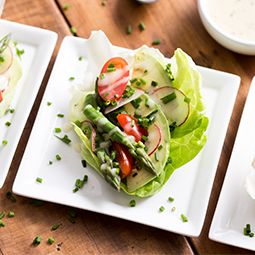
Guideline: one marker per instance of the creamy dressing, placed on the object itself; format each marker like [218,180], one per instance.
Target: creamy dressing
[235,17]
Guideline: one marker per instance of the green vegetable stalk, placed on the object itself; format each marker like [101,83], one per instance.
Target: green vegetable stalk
[116,135]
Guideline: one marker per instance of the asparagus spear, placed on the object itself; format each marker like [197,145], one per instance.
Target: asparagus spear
[115,134]
[110,173]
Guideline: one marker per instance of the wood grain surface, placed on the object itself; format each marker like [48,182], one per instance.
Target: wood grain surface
[176,24]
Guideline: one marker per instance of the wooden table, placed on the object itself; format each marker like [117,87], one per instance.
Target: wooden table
[177,24]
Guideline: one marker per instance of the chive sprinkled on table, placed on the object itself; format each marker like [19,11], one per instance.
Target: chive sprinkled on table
[73,30]
[55,226]
[156,42]
[39,180]
[11,214]
[129,30]
[57,130]
[66,6]
[184,218]
[37,240]
[50,240]
[2,224]
[141,26]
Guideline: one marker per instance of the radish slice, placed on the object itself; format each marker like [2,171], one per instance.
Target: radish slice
[7,60]
[154,138]
[93,133]
[174,104]
[124,101]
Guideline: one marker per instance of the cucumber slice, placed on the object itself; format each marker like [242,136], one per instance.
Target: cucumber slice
[159,131]
[6,60]
[174,104]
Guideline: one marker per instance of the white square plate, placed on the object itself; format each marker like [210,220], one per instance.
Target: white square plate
[190,185]
[38,45]
[235,207]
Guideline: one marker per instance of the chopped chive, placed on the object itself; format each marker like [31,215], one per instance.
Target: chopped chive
[129,30]
[156,156]
[39,180]
[160,147]
[187,100]
[50,162]
[136,102]
[1,59]
[80,183]
[247,231]
[55,226]
[145,138]
[49,103]
[50,240]
[37,240]
[145,71]
[58,157]
[10,214]
[161,208]
[129,91]
[102,75]
[169,72]
[4,142]
[66,6]
[132,203]
[65,139]
[80,58]
[57,130]
[2,224]
[19,52]
[154,84]
[168,98]
[61,115]
[141,26]
[73,30]
[156,42]
[71,78]
[184,218]
[111,68]
[171,199]
[72,215]
[2,214]
[11,110]
[143,82]
[133,80]
[84,163]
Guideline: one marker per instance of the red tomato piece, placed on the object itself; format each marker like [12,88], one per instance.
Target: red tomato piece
[124,158]
[130,126]
[113,79]
[1,96]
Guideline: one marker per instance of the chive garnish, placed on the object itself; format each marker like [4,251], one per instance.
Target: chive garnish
[187,100]
[80,58]
[154,84]
[65,139]
[136,102]
[4,142]
[73,30]
[133,80]
[141,26]
[145,138]
[2,214]
[156,156]
[58,157]
[156,42]
[61,115]
[39,180]
[55,226]
[49,103]
[132,203]
[184,218]
[111,68]
[66,6]
[37,240]
[169,72]
[57,130]
[11,214]
[161,208]
[10,196]
[129,30]
[84,163]
[11,110]
[160,147]
[247,231]
[19,52]
[71,78]
[2,224]
[80,183]
[50,162]
[1,59]
[171,199]
[168,98]
[50,240]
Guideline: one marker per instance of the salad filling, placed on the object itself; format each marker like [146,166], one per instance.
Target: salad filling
[144,119]
[10,73]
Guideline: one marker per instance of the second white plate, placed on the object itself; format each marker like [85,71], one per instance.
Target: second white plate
[235,207]
[38,45]
[190,185]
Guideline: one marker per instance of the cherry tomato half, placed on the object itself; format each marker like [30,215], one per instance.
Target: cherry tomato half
[113,79]
[130,126]
[124,158]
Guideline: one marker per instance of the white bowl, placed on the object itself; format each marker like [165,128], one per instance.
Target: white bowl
[221,36]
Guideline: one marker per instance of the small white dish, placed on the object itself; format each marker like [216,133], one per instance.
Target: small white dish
[190,185]
[235,207]
[220,33]
[38,45]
